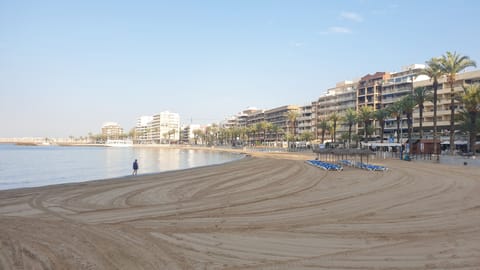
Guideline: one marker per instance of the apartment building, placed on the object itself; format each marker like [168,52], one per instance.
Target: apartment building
[159,128]
[304,119]
[188,133]
[112,131]
[369,91]
[379,90]
[336,100]
[443,103]
[279,117]
[142,134]
[399,85]
[165,126]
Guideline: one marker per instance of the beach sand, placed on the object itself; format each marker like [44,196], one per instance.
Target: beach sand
[266,211]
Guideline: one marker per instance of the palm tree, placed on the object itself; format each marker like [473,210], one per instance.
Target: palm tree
[421,95]
[292,119]
[351,119]
[253,131]
[408,105]
[306,136]
[197,133]
[471,101]
[451,64]
[434,71]
[381,115]
[268,128]
[365,115]
[170,133]
[396,110]
[334,117]
[275,130]
[262,127]
[243,134]
[323,124]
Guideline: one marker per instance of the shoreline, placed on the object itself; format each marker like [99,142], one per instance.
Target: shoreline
[264,211]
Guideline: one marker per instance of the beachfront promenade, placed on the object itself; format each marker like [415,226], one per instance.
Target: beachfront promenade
[265,211]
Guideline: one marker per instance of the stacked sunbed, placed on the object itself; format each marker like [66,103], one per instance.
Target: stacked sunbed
[325,165]
[362,165]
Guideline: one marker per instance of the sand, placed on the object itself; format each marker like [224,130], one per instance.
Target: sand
[261,212]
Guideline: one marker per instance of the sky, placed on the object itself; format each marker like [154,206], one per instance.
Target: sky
[67,67]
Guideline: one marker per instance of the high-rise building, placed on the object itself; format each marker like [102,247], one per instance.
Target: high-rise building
[399,85]
[280,117]
[164,127]
[112,131]
[336,100]
[142,134]
[443,104]
[304,119]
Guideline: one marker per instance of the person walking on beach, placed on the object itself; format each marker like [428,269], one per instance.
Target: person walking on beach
[135,167]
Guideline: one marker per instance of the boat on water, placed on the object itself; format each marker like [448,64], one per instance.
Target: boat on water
[119,143]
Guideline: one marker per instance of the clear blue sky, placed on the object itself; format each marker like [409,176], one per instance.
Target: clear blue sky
[68,66]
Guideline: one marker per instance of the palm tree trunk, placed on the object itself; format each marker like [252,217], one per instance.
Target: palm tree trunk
[366,132]
[473,131]
[349,135]
[334,130]
[398,129]
[452,120]
[410,129]
[421,121]
[435,147]
[382,130]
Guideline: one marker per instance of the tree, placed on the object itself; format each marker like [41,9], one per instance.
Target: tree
[471,101]
[434,71]
[262,127]
[451,64]
[268,129]
[408,105]
[170,133]
[243,133]
[323,125]
[396,111]
[211,134]
[252,130]
[365,115]
[334,117]
[351,119]
[276,130]
[306,136]
[292,120]
[421,95]
[381,115]
[132,134]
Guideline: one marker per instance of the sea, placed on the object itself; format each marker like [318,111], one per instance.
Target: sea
[34,166]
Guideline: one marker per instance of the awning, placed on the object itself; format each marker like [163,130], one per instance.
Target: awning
[455,142]
[376,144]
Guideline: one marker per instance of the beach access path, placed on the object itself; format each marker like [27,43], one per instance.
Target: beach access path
[265,211]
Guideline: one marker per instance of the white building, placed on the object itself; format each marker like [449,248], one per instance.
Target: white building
[188,135]
[165,127]
[142,134]
[112,130]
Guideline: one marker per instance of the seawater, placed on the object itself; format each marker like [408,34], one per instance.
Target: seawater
[33,166]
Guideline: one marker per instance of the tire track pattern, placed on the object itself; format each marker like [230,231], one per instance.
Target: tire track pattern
[256,213]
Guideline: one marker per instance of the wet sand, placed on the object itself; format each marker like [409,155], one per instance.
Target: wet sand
[267,211]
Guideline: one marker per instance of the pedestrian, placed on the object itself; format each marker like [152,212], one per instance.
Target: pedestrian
[135,167]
